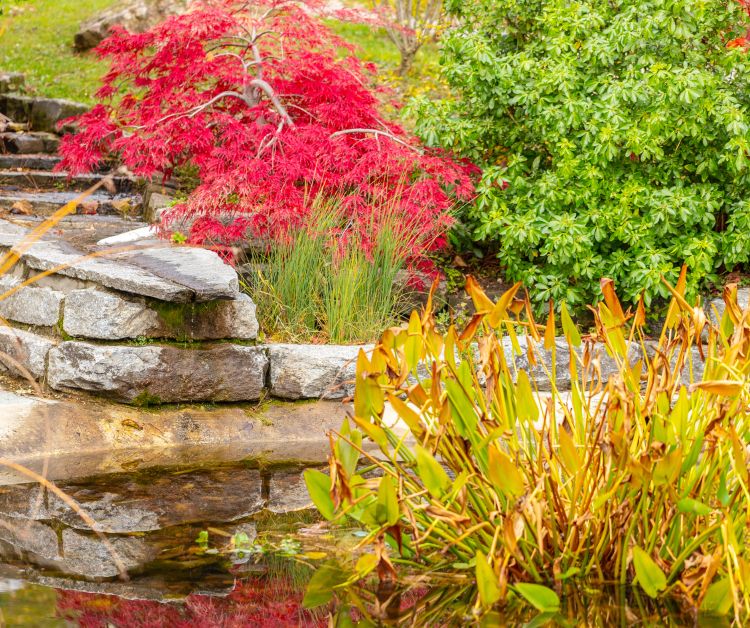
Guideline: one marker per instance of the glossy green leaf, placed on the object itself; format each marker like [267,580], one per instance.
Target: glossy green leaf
[689,505]
[431,473]
[540,597]
[319,488]
[387,505]
[718,598]
[320,589]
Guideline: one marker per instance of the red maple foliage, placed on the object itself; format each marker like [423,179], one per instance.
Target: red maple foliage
[272,109]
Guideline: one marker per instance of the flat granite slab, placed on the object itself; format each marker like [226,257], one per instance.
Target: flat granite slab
[178,274]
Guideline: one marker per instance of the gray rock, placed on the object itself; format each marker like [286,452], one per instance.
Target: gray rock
[312,371]
[288,493]
[47,112]
[136,16]
[29,536]
[88,555]
[126,505]
[31,305]
[22,143]
[715,308]
[109,273]
[200,270]
[16,107]
[540,373]
[160,374]
[108,316]
[112,316]
[11,82]
[23,348]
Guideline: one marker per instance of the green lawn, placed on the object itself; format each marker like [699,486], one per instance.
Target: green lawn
[36,38]
[375,46]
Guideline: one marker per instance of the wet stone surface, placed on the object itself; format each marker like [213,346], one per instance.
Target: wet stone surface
[142,518]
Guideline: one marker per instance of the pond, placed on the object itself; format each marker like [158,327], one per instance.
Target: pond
[227,545]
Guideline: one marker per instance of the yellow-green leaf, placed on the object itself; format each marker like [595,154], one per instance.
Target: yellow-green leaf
[649,574]
[540,597]
[489,591]
[433,475]
[569,328]
[503,473]
[718,598]
[319,488]
[386,509]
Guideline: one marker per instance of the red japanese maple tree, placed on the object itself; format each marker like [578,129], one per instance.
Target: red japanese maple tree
[272,109]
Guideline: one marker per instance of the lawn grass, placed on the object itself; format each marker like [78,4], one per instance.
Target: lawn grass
[36,38]
[374,45]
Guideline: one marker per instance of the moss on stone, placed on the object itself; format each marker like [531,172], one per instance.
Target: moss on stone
[145,399]
[178,318]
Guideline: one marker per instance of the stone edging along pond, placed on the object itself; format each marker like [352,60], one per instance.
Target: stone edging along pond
[165,324]
[154,324]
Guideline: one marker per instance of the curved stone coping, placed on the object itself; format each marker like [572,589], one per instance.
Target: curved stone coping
[152,374]
[79,438]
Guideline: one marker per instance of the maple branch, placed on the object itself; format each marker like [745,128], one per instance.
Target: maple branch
[377,132]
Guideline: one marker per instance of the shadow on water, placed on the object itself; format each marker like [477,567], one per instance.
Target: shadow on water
[192,540]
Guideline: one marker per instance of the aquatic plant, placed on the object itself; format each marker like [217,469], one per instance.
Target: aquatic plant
[641,476]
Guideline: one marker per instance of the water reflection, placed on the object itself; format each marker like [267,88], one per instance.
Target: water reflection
[56,571]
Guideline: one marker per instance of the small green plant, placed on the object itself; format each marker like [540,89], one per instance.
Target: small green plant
[638,477]
[313,285]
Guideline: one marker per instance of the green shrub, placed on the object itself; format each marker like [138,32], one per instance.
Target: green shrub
[621,128]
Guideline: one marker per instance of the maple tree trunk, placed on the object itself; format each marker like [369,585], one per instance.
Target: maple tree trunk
[407,61]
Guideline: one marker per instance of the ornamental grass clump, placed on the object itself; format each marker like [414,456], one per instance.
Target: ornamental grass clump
[333,282]
[641,476]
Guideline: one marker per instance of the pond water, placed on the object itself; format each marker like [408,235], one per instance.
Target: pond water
[188,546]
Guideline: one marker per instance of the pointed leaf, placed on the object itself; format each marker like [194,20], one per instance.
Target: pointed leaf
[319,488]
[433,475]
[489,592]
[540,597]
[649,574]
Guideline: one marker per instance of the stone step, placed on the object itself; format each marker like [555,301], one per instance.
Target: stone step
[47,203]
[46,180]
[82,231]
[37,161]
[42,114]
[179,274]
[29,143]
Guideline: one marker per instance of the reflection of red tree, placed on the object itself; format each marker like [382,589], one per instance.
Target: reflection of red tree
[253,602]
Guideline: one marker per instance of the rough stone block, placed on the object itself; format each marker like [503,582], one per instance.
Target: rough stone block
[23,348]
[539,372]
[11,82]
[287,492]
[17,108]
[160,374]
[108,316]
[312,371]
[47,112]
[200,270]
[31,305]
[88,555]
[111,316]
